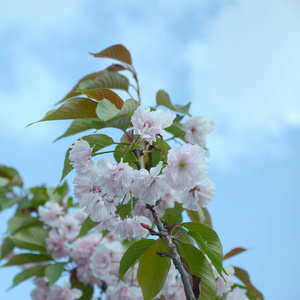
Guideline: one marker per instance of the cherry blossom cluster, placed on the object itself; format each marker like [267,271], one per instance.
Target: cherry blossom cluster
[101,187]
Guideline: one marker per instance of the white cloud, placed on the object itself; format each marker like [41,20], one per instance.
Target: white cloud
[245,74]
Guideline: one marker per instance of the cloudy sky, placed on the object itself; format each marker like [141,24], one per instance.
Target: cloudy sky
[237,61]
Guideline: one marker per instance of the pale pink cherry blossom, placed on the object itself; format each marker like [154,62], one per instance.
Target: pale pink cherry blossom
[168,199]
[49,213]
[80,215]
[174,291]
[115,179]
[56,245]
[222,286]
[83,248]
[124,292]
[68,226]
[237,294]
[141,210]
[101,262]
[64,293]
[39,294]
[196,129]
[148,187]
[148,124]
[41,291]
[85,275]
[130,227]
[81,157]
[93,204]
[199,196]
[82,186]
[110,222]
[186,166]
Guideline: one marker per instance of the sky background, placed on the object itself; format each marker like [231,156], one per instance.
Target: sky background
[237,61]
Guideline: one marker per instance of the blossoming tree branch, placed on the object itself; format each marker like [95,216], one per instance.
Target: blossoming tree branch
[139,228]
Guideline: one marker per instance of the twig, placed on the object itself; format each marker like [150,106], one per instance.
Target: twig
[162,230]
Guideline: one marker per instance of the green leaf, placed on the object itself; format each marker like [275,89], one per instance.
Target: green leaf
[37,271]
[126,154]
[100,94]
[77,126]
[132,254]
[163,146]
[98,141]
[153,270]
[118,52]
[76,108]
[201,216]
[209,241]
[8,202]
[173,216]
[245,278]
[108,80]
[162,98]
[32,238]
[106,110]
[176,131]
[184,109]
[26,258]
[121,123]
[75,92]
[67,166]
[12,175]
[87,290]
[6,247]
[17,222]
[200,267]
[54,271]
[86,226]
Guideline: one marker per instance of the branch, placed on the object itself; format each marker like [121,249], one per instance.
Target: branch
[163,232]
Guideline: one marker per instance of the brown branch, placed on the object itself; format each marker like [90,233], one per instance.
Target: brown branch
[162,230]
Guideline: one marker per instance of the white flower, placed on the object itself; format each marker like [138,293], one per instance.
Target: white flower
[82,185]
[200,195]
[148,124]
[83,248]
[222,286]
[81,157]
[56,245]
[124,292]
[237,294]
[148,187]
[129,227]
[186,166]
[68,227]
[101,262]
[50,212]
[64,293]
[115,179]
[196,129]
[110,222]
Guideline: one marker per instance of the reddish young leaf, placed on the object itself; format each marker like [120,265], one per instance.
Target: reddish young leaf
[118,52]
[234,252]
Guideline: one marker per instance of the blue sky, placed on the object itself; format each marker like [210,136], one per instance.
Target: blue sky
[237,61]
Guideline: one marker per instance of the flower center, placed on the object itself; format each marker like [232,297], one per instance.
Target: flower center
[182,165]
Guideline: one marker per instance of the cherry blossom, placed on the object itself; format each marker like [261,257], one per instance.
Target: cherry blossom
[186,166]
[237,294]
[196,130]
[222,286]
[49,213]
[148,187]
[129,227]
[64,293]
[56,244]
[81,157]
[101,262]
[199,195]
[148,124]
[115,179]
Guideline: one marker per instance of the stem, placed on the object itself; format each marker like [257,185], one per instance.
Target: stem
[94,154]
[173,253]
